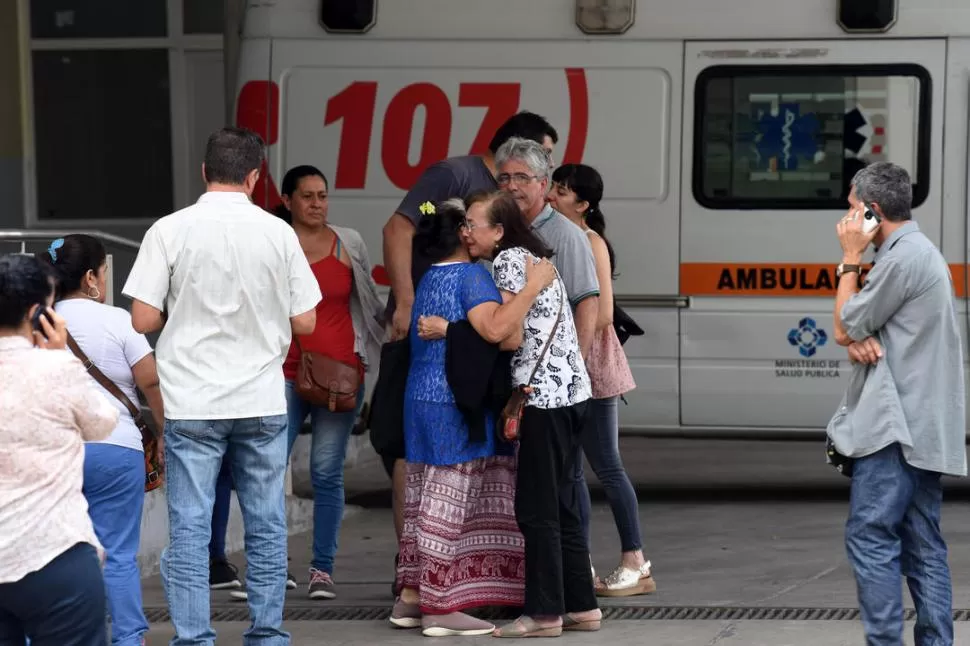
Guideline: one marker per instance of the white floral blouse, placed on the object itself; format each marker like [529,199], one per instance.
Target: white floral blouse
[562,379]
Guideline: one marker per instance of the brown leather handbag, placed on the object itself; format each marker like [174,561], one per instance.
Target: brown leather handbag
[512,413]
[326,382]
[154,471]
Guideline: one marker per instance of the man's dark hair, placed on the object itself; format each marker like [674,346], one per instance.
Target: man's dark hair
[72,260]
[25,281]
[527,125]
[232,154]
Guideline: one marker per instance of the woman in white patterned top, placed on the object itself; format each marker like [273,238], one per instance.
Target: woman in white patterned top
[51,588]
[558,583]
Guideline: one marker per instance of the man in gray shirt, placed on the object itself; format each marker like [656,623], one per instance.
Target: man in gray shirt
[523,172]
[902,421]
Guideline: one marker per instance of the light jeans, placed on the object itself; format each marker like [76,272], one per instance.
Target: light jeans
[193,454]
[114,486]
[328,450]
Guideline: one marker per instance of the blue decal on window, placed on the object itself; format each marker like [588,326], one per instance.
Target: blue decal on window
[784,136]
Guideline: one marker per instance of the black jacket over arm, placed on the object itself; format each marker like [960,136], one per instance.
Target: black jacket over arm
[386,421]
[479,375]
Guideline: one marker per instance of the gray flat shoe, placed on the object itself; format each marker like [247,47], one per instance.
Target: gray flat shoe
[456,624]
[406,615]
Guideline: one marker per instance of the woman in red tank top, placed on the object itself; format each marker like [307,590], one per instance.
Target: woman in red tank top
[339,266]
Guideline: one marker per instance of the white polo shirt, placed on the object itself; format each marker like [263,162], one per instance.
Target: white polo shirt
[230,276]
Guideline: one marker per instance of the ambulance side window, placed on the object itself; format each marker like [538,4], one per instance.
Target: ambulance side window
[792,137]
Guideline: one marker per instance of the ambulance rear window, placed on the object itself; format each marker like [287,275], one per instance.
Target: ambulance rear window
[792,137]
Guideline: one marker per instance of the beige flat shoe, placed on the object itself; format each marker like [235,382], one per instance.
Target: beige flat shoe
[525,627]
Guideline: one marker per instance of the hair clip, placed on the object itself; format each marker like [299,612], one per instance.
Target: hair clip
[55,245]
[427,208]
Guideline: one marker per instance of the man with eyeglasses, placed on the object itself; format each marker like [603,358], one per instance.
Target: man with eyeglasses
[524,168]
[452,177]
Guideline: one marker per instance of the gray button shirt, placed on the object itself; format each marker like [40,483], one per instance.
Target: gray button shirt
[572,254]
[915,394]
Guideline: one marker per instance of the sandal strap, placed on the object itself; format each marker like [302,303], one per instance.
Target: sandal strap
[626,577]
[522,626]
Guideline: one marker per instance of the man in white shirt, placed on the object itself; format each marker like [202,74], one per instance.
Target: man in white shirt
[230,285]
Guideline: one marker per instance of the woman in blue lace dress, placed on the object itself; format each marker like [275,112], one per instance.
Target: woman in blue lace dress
[461,547]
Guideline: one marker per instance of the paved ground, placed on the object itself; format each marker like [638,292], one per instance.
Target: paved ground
[620,633]
[766,534]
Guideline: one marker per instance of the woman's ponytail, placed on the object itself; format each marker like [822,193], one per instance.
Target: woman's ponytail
[596,222]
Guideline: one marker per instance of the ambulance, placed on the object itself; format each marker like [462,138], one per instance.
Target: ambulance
[726,133]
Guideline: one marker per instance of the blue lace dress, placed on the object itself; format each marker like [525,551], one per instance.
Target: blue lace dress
[435,432]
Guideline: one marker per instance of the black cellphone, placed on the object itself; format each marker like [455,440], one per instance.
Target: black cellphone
[35,319]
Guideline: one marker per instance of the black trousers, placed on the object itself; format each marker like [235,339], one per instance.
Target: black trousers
[62,604]
[557,569]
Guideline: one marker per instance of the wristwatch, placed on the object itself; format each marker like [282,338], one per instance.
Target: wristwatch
[846,269]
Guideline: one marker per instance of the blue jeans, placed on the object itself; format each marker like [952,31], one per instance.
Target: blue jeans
[194,451]
[893,531]
[601,443]
[62,604]
[220,511]
[328,450]
[114,486]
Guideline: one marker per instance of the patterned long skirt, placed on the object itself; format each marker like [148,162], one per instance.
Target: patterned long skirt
[461,547]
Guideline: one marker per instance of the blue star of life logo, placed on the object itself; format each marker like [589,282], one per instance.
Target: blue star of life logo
[807,337]
[783,134]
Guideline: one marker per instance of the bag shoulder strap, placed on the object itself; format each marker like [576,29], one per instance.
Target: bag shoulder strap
[552,334]
[102,379]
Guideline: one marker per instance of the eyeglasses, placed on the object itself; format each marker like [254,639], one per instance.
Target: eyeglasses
[471,226]
[515,178]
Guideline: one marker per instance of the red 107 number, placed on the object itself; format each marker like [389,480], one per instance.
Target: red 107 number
[258,108]
[356,104]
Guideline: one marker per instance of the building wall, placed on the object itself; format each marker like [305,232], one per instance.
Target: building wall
[112,110]
[11,119]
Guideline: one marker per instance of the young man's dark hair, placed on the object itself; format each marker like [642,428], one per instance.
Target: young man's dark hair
[525,124]
[231,154]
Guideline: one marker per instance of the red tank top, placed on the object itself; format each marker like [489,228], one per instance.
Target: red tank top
[334,333]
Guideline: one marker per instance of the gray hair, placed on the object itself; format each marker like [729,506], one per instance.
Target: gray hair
[889,186]
[529,152]
[454,203]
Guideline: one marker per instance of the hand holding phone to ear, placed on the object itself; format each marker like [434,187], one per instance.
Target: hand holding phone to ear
[50,329]
[856,232]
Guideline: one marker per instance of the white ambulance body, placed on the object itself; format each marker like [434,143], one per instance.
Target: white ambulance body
[725,138]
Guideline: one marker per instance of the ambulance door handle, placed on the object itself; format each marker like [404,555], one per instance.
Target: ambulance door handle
[653,301]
